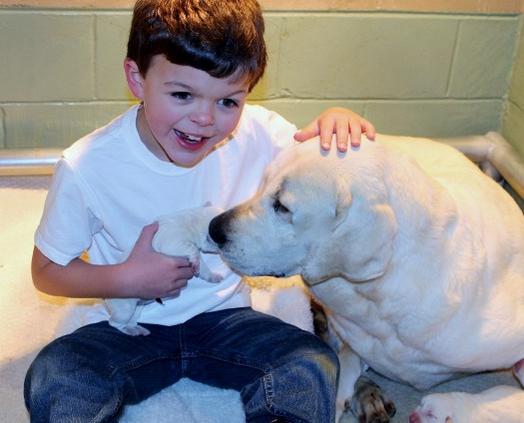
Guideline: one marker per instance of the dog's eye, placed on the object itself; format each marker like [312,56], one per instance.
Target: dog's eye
[279,207]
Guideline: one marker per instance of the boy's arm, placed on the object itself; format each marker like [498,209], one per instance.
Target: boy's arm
[344,123]
[144,274]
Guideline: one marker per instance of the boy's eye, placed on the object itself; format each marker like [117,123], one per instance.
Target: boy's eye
[229,103]
[181,95]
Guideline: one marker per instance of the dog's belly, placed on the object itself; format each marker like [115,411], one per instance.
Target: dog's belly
[381,349]
[360,323]
[410,346]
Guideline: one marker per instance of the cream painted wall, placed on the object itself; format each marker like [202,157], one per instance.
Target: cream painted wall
[431,74]
[441,6]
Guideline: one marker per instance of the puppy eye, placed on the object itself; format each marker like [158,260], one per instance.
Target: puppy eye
[279,207]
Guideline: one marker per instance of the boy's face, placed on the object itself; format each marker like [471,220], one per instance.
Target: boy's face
[185,112]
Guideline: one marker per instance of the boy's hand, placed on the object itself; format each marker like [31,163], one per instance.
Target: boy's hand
[154,275]
[344,123]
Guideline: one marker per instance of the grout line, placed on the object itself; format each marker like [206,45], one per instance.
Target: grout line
[3,128]
[454,59]
[94,52]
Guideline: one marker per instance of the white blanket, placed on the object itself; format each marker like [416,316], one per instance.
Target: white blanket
[33,319]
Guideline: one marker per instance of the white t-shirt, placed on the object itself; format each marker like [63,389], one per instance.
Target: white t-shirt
[108,186]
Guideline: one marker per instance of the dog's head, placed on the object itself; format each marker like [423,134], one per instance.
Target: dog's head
[318,215]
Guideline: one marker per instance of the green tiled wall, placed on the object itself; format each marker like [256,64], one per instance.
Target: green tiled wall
[409,73]
[513,123]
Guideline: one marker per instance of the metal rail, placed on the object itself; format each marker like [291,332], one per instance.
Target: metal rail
[26,162]
[491,151]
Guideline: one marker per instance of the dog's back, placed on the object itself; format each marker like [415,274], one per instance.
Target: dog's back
[481,279]
[453,294]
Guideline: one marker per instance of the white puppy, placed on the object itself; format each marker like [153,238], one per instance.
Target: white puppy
[501,404]
[417,256]
[182,234]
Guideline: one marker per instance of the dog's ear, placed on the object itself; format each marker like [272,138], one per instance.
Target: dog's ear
[360,246]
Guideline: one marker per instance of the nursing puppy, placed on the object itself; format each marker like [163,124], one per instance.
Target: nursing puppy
[501,404]
[182,234]
[416,255]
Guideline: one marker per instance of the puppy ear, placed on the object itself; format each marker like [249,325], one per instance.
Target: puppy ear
[360,247]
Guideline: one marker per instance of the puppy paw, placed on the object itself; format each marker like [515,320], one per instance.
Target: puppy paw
[210,277]
[369,404]
[203,272]
[214,278]
[134,330]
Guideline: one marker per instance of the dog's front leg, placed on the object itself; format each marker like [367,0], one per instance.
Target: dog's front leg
[350,371]
[357,396]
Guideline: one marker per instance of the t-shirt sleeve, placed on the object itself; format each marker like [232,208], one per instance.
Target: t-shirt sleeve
[67,222]
[280,130]
[272,128]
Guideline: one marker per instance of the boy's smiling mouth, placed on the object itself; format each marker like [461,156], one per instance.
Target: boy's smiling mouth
[191,139]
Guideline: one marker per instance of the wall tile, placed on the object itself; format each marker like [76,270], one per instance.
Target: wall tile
[485,51]
[2,128]
[46,56]
[301,112]
[54,125]
[112,31]
[513,127]
[268,85]
[516,93]
[62,73]
[366,56]
[435,118]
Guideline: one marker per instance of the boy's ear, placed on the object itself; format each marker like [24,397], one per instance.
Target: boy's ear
[135,81]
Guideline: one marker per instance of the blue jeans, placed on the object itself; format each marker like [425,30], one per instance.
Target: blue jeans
[281,371]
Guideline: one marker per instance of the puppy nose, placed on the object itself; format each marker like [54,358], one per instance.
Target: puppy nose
[216,230]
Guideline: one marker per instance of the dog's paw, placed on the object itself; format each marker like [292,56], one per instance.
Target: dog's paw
[369,404]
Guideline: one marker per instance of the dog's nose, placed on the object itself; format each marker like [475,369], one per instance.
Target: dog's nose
[216,230]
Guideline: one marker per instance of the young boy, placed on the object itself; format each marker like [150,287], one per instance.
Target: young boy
[191,140]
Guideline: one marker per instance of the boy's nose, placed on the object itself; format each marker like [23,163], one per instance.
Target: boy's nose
[204,116]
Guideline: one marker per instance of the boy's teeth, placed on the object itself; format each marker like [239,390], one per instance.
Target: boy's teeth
[187,137]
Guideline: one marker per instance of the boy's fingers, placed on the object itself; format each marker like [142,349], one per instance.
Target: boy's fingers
[185,272]
[327,128]
[342,136]
[369,129]
[309,131]
[356,133]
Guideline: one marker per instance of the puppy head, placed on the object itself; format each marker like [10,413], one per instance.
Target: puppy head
[316,215]
[434,408]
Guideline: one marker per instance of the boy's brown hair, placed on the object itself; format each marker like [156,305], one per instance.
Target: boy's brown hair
[220,37]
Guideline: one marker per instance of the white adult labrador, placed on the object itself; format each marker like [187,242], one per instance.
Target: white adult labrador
[417,256]
[182,234]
